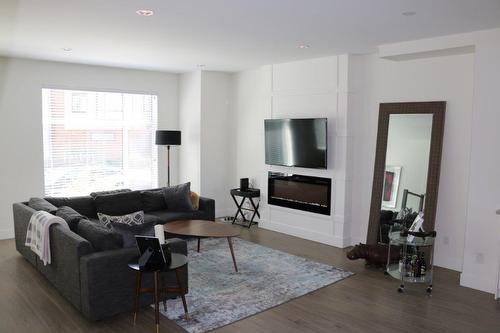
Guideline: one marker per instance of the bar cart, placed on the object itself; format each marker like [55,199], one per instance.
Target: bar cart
[416,254]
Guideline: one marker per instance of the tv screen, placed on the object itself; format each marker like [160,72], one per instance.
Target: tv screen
[296,142]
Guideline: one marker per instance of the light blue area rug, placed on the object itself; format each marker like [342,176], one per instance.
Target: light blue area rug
[219,296]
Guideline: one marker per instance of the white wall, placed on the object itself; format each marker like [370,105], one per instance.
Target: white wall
[481,253]
[189,124]
[470,183]
[449,79]
[21,137]
[315,88]
[216,134]
[205,122]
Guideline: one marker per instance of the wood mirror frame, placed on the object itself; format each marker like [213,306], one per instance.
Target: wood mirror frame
[437,109]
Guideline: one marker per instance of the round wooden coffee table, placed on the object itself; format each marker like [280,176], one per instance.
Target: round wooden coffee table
[204,228]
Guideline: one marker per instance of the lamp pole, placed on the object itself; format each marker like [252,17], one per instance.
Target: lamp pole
[168,165]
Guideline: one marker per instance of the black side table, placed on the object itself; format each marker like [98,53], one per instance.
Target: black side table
[178,261]
[246,194]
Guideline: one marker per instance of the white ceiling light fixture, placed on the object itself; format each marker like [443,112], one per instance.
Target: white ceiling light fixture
[409,13]
[145,12]
[304,46]
[67,49]
[200,66]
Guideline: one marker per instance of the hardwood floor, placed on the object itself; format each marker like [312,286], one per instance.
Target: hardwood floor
[365,302]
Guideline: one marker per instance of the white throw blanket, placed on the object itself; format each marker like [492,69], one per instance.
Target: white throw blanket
[37,235]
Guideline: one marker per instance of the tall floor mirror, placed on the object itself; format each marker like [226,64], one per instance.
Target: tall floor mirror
[407,166]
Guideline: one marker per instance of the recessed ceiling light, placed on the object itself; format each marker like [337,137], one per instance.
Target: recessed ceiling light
[67,49]
[409,13]
[304,46]
[145,12]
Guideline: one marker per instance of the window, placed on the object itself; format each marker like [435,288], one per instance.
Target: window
[94,141]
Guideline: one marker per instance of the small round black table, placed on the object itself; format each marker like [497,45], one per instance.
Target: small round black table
[178,261]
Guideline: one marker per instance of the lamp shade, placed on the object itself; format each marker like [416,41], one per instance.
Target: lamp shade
[169,138]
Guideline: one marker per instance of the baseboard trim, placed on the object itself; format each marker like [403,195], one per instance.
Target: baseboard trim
[305,234]
[6,233]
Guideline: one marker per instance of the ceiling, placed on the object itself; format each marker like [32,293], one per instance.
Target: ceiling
[227,35]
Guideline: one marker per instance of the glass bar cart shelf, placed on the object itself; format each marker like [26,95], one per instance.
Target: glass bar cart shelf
[415,245]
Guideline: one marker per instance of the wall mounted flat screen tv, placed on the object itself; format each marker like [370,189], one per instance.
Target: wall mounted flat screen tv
[296,142]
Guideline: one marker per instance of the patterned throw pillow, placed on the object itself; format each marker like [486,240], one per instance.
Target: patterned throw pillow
[129,219]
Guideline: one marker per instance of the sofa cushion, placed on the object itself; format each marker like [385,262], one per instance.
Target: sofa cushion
[149,218]
[128,232]
[130,219]
[153,200]
[178,198]
[42,204]
[82,204]
[101,238]
[118,203]
[168,216]
[71,216]
[95,194]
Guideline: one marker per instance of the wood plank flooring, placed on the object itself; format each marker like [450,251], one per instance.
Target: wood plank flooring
[365,302]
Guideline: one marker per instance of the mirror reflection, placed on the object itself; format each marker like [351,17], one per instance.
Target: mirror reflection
[406,167]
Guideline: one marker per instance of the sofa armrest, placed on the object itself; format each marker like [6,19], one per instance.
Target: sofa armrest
[108,284]
[208,206]
[66,249]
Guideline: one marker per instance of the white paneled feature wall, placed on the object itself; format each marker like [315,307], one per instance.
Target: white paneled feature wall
[315,88]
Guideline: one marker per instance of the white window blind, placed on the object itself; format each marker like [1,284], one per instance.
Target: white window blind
[96,141]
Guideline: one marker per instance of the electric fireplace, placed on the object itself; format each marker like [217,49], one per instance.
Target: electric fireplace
[311,194]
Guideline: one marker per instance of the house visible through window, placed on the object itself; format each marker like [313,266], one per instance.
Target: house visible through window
[97,141]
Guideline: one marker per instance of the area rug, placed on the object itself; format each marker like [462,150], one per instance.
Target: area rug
[219,296]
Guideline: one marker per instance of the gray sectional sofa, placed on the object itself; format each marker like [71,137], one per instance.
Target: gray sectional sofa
[98,283]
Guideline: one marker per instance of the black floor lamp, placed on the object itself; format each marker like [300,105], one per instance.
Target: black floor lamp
[168,138]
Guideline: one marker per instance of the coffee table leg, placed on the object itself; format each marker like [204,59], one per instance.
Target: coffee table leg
[199,240]
[157,305]
[232,253]
[137,293]
[181,287]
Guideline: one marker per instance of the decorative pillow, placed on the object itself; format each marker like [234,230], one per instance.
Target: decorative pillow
[195,200]
[42,204]
[178,198]
[101,238]
[109,221]
[82,204]
[71,216]
[153,200]
[95,194]
[128,232]
[118,203]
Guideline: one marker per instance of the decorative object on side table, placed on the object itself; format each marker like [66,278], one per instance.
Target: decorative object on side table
[168,138]
[250,194]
